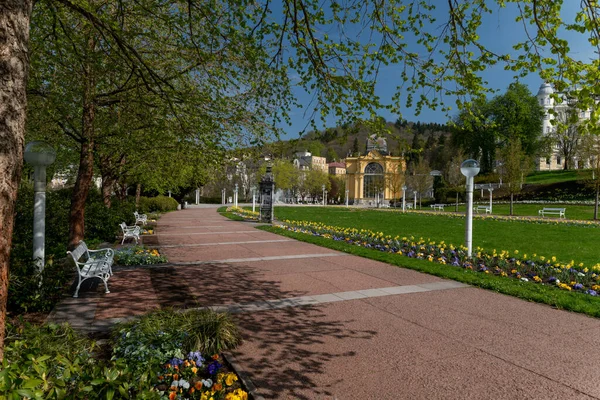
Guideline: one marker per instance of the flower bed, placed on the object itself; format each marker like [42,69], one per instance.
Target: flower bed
[538,269]
[196,378]
[246,214]
[138,255]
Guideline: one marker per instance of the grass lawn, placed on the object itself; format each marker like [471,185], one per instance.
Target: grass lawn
[545,177]
[582,212]
[567,243]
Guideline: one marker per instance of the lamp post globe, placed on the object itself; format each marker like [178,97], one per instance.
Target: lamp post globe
[39,155]
[469,168]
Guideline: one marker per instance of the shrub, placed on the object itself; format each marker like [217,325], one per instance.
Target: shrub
[25,294]
[53,361]
[148,341]
[159,203]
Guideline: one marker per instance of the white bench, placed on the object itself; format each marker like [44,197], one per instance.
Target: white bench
[130,232]
[552,211]
[93,264]
[487,209]
[439,207]
[143,218]
[409,206]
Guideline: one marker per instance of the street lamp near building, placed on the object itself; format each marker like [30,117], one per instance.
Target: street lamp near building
[253,198]
[469,168]
[404,198]
[323,187]
[347,195]
[235,196]
[415,200]
[490,189]
[40,155]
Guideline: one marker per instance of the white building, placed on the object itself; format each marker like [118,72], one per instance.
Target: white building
[556,161]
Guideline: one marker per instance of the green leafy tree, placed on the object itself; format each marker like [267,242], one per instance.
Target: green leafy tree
[515,165]
[228,44]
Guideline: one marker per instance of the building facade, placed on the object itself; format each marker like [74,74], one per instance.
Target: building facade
[337,168]
[305,160]
[556,161]
[376,178]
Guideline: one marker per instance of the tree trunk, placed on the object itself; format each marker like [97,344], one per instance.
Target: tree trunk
[107,188]
[138,194]
[596,202]
[511,203]
[86,161]
[14,65]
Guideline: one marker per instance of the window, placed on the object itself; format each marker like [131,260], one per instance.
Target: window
[559,160]
[373,182]
[548,160]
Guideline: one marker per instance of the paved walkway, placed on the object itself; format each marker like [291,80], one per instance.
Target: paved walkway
[319,324]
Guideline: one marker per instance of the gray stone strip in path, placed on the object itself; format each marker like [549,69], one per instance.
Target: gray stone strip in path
[74,311]
[203,233]
[223,243]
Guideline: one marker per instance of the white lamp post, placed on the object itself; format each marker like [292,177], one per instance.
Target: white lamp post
[197,196]
[347,195]
[253,198]
[323,187]
[169,193]
[404,198]
[469,168]
[235,196]
[491,189]
[40,155]
[415,205]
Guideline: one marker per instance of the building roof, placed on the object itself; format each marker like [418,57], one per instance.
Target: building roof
[337,164]
[545,89]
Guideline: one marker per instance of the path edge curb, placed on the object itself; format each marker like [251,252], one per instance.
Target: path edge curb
[243,375]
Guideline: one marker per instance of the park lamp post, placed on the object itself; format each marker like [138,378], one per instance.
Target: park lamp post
[404,198]
[469,168]
[490,189]
[323,187]
[415,200]
[235,196]
[347,196]
[253,198]
[40,155]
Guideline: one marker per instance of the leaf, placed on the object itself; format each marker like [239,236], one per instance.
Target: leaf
[32,383]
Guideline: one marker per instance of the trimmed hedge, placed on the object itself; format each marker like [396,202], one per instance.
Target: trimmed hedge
[158,204]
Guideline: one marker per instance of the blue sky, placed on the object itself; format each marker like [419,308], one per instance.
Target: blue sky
[499,32]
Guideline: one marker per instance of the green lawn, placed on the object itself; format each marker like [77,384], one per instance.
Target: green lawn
[585,212]
[565,242]
[545,177]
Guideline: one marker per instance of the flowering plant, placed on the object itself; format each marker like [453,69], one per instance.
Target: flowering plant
[246,214]
[537,269]
[194,377]
[138,255]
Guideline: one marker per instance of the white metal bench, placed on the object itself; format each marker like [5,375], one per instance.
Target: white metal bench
[552,211]
[487,209]
[409,206]
[439,207]
[93,264]
[130,232]
[143,218]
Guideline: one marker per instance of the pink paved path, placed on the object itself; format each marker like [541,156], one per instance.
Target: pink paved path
[456,343]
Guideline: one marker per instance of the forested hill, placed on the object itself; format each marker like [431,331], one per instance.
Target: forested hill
[404,137]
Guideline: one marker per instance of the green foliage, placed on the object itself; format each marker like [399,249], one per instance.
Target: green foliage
[138,255]
[148,341]
[25,294]
[157,204]
[53,361]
